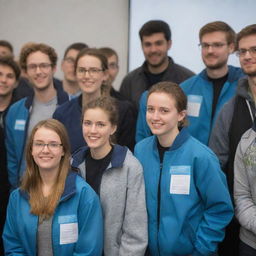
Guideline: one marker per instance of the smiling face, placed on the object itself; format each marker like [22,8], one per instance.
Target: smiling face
[216,57]
[47,159]
[41,76]
[155,48]
[7,80]
[162,115]
[97,130]
[90,82]
[248,60]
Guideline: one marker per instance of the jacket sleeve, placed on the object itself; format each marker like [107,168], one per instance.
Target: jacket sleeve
[219,139]
[134,238]
[142,129]
[12,158]
[90,238]
[218,211]
[11,239]
[245,205]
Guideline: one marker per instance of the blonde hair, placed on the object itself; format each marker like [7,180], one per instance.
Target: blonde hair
[32,182]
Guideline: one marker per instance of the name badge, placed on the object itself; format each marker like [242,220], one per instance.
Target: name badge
[180,179]
[68,229]
[20,125]
[194,105]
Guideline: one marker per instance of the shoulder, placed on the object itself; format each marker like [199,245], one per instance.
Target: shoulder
[133,74]
[132,162]
[144,146]
[183,70]
[67,107]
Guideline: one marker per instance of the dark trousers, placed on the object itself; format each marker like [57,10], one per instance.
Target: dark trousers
[246,250]
[230,244]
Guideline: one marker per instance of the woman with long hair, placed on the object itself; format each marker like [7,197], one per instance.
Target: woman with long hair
[188,202]
[117,177]
[91,69]
[54,212]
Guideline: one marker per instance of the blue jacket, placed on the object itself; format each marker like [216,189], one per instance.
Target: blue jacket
[17,122]
[194,205]
[78,205]
[198,90]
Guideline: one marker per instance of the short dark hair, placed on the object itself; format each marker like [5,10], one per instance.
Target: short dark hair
[35,47]
[75,46]
[10,62]
[247,31]
[218,26]
[6,44]
[155,26]
[108,52]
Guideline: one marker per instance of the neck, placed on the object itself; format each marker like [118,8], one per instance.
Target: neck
[167,140]
[159,69]
[5,101]
[71,87]
[252,85]
[48,180]
[99,153]
[45,95]
[217,73]
[86,98]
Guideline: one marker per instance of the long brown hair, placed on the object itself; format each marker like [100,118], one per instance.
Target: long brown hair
[32,182]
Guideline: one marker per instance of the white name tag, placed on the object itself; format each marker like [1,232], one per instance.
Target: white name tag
[68,233]
[20,125]
[194,105]
[180,180]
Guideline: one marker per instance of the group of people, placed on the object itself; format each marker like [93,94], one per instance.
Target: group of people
[79,185]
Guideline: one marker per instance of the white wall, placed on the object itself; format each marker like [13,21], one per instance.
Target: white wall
[59,23]
[185,18]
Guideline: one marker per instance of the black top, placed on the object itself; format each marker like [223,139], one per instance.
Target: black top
[161,151]
[95,169]
[153,78]
[217,87]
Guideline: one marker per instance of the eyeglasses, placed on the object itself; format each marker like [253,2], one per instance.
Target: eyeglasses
[44,67]
[70,60]
[215,46]
[51,146]
[91,71]
[242,52]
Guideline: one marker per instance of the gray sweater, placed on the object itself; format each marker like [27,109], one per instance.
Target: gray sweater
[245,187]
[122,196]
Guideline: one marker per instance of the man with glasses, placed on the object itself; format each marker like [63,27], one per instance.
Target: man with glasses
[69,81]
[216,84]
[39,63]
[237,115]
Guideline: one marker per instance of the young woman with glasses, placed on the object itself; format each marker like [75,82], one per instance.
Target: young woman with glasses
[91,69]
[54,212]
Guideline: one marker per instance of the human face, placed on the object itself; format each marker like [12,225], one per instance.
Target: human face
[155,48]
[7,80]
[97,130]
[162,115]
[248,61]
[90,83]
[68,66]
[215,55]
[47,159]
[5,51]
[40,77]
[112,68]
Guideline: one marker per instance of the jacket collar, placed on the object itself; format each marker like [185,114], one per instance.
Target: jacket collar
[117,158]
[69,189]
[180,139]
[61,95]
[234,73]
